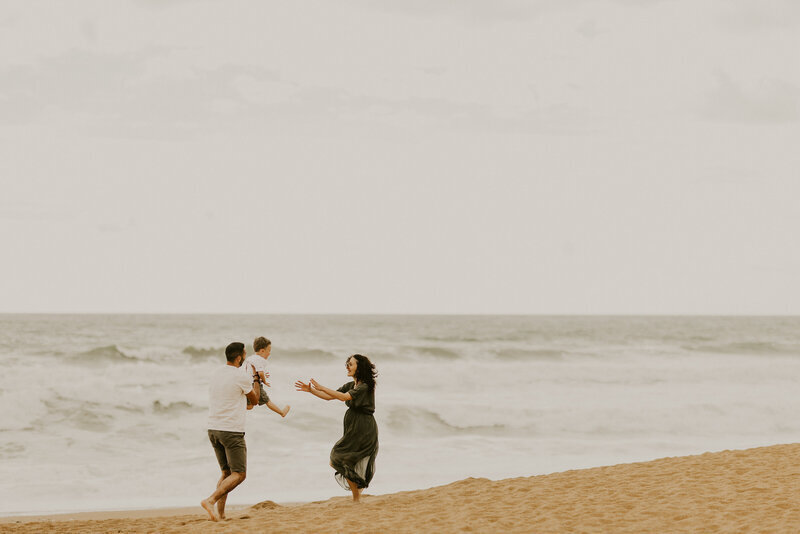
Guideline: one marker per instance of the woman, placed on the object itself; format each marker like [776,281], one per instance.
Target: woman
[353,456]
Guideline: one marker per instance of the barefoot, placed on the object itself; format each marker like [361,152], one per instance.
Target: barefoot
[221,509]
[285,410]
[208,507]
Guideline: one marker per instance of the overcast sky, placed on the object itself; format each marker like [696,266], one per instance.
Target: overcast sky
[400,156]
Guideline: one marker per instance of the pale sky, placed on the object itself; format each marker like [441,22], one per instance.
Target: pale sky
[400,156]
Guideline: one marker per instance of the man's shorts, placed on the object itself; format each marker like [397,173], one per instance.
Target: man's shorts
[230,449]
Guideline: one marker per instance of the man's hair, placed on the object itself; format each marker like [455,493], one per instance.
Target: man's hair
[261,343]
[234,350]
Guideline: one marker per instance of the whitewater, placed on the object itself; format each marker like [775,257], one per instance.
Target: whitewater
[107,412]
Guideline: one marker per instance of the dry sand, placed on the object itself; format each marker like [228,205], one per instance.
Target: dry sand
[754,490]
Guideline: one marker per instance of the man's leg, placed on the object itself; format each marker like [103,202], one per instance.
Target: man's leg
[231,452]
[234,468]
[222,460]
[225,486]
[221,501]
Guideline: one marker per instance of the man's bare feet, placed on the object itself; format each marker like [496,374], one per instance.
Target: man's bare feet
[221,509]
[285,410]
[208,507]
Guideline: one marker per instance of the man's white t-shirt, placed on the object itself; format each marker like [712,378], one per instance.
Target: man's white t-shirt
[227,401]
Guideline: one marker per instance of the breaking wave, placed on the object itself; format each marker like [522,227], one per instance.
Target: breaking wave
[170,408]
[109,354]
[197,353]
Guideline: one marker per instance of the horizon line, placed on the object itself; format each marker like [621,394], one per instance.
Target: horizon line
[412,314]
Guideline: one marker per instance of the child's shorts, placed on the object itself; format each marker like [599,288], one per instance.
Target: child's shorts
[263,397]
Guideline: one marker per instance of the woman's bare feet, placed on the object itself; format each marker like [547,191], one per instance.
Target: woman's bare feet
[355,490]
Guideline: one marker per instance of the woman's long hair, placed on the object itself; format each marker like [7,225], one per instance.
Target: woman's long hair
[365,371]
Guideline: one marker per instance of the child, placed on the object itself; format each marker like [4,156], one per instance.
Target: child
[257,363]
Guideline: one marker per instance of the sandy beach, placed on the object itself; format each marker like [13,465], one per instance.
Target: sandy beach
[753,490]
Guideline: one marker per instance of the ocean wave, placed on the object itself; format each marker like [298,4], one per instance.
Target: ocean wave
[746,347]
[377,357]
[307,355]
[83,416]
[458,339]
[197,353]
[419,421]
[109,353]
[530,354]
[12,450]
[436,352]
[171,408]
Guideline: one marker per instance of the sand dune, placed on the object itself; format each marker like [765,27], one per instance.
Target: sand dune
[754,490]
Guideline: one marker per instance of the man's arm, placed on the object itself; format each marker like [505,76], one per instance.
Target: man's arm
[252,396]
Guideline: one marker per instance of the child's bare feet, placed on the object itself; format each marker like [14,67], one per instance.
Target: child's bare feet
[285,410]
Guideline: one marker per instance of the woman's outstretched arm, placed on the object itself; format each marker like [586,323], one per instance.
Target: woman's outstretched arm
[301,386]
[332,393]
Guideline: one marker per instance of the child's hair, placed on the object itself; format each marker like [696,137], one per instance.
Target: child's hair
[365,370]
[261,343]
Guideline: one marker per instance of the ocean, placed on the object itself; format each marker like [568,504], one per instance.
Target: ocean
[107,412]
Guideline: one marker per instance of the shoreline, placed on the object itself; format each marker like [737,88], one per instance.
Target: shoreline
[133,513]
[101,515]
[732,490]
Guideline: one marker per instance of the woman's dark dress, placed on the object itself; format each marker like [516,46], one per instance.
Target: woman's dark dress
[353,456]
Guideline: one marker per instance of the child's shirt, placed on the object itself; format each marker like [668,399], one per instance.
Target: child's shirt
[256,363]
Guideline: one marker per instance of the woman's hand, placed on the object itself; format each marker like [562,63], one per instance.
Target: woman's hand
[315,384]
[301,386]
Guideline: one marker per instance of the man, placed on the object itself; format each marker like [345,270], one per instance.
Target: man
[229,391]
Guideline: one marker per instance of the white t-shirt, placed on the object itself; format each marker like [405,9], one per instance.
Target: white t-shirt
[227,401]
[256,362]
